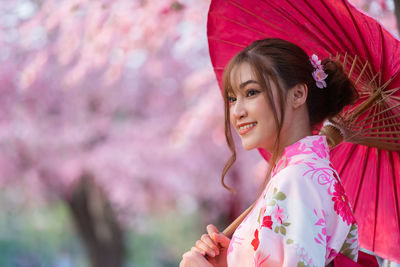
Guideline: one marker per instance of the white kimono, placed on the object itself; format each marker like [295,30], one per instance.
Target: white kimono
[303,217]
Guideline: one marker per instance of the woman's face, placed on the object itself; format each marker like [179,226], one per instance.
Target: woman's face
[250,113]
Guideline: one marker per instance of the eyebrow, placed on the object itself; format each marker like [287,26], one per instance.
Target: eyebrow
[243,85]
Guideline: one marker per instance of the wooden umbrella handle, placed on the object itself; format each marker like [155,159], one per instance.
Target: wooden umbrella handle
[232,227]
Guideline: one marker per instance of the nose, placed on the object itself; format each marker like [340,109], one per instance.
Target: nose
[239,110]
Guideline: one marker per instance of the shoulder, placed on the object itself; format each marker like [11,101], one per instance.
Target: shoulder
[308,173]
[316,184]
[309,182]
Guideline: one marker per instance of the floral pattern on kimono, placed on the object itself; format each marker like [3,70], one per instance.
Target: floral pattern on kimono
[303,217]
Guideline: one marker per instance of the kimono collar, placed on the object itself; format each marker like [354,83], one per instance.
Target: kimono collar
[309,148]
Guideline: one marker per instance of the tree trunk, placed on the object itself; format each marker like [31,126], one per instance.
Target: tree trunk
[97,224]
[397,14]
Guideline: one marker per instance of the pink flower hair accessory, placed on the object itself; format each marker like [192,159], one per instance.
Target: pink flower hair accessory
[318,74]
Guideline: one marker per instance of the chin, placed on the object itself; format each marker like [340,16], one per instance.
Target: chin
[248,146]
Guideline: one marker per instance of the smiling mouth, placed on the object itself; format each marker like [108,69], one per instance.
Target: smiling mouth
[246,128]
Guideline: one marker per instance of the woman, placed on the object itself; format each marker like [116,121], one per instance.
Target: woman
[274,96]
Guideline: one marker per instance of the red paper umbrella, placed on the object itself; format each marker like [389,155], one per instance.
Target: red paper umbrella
[368,159]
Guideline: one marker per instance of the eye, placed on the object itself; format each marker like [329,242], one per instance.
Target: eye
[231,99]
[252,92]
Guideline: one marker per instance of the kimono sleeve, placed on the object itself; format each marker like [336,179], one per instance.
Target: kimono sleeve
[291,228]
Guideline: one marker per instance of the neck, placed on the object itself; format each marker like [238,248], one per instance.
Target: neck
[295,130]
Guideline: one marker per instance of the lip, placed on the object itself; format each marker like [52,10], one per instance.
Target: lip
[242,132]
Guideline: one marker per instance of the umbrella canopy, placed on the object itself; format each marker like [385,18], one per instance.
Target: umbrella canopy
[370,165]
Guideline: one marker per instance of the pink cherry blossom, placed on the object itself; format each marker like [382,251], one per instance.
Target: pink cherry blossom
[315,62]
[319,76]
[278,214]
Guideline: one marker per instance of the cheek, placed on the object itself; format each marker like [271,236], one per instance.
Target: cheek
[268,121]
[263,111]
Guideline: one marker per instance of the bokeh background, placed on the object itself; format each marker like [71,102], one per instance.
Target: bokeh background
[111,132]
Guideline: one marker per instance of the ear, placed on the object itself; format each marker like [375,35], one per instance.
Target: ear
[298,95]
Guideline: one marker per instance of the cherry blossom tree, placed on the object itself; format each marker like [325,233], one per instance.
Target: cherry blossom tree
[383,11]
[113,107]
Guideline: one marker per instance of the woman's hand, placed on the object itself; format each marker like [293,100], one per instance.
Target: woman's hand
[215,245]
[193,258]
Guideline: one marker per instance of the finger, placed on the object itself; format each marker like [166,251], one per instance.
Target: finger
[195,249]
[190,255]
[204,247]
[211,229]
[222,239]
[193,258]
[213,245]
[187,254]
[184,260]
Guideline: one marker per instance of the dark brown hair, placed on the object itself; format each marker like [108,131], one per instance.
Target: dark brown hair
[287,65]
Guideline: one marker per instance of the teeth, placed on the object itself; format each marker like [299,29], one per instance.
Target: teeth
[247,126]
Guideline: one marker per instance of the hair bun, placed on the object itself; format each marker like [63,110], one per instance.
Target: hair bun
[340,91]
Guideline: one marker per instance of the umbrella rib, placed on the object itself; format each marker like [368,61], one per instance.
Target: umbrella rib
[353,64]
[393,90]
[355,127]
[379,116]
[391,119]
[344,66]
[374,85]
[390,127]
[380,127]
[383,96]
[358,132]
[359,124]
[345,60]
[381,138]
[361,73]
[374,115]
[371,83]
[352,108]
[386,134]
[369,73]
[395,74]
